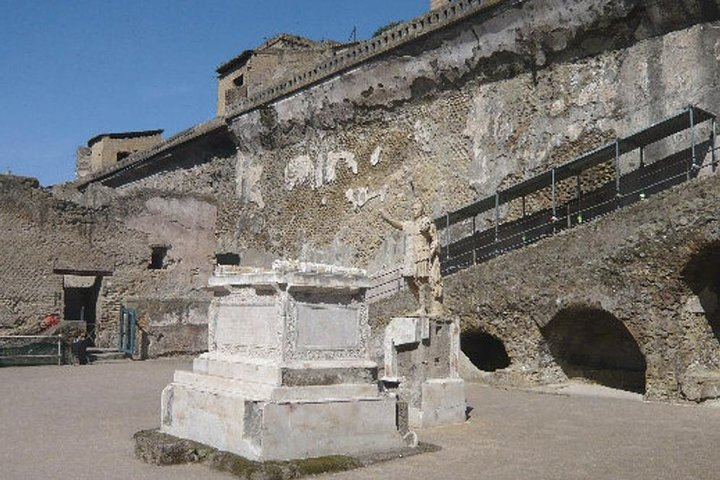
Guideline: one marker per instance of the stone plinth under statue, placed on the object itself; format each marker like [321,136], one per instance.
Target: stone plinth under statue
[421,359]
[287,374]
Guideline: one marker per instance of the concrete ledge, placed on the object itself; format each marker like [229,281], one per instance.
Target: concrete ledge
[157,448]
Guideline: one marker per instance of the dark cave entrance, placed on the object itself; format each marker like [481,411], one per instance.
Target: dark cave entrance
[485,351]
[592,344]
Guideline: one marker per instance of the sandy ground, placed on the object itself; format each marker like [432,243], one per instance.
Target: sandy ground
[77,422]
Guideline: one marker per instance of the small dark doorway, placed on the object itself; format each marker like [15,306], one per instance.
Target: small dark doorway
[592,344]
[702,275]
[81,295]
[485,351]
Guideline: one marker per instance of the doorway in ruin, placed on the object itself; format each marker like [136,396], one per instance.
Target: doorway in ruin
[593,345]
[702,275]
[485,351]
[80,293]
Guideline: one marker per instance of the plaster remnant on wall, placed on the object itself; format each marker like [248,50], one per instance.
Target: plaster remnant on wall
[360,196]
[299,171]
[336,253]
[375,157]
[333,158]
[248,181]
[424,134]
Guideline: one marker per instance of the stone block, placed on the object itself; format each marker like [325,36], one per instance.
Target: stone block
[424,373]
[237,421]
[700,384]
[443,402]
[287,374]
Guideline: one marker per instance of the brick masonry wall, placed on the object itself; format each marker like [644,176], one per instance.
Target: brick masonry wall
[454,119]
[451,117]
[42,234]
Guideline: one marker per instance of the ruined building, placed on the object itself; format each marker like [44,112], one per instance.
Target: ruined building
[105,150]
[489,112]
[255,70]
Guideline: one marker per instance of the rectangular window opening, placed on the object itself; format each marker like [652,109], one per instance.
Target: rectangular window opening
[228,259]
[158,258]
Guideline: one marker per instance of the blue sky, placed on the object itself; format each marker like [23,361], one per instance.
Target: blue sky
[70,69]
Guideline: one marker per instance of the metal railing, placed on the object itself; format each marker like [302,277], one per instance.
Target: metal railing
[31,349]
[625,188]
[385,284]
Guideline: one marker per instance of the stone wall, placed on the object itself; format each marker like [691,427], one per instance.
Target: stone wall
[445,108]
[649,266]
[45,238]
[38,234]
[447,115]
[473,108]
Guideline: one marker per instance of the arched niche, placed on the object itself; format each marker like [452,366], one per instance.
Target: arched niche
[702,276]
[592,344]
[485,351]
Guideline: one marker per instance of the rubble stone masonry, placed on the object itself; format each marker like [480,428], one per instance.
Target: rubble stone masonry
[445,116]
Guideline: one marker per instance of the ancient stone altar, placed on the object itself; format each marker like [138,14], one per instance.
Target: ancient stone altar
[287,374]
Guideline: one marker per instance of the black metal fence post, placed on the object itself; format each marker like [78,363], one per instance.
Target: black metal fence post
[447,236]
[497,220]
[713,143]
[617,173]
[474,247]
[693,161]
[554,219]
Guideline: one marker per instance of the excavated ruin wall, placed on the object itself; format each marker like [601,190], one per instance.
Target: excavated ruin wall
[447,118]
[43,238]
[453,117]
[36,233]
[632,264]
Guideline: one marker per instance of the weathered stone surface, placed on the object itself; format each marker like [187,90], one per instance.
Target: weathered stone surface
[473,106]
[291,379]
[504,96]
[159,448]
[632,264]
[47,242]
[421,367]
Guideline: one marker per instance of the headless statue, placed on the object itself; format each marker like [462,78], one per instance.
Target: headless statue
[421,263]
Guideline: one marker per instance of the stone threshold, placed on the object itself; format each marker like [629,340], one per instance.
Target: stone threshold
[157,448]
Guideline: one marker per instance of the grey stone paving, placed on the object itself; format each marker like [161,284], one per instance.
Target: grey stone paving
[77,422]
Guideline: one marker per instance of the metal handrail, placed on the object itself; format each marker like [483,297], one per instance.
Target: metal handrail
[58,338]
[483,245]
[465,253]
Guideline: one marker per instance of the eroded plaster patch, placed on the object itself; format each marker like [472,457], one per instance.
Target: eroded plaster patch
[360,196]
[247,182]
[375,157]
[299,171]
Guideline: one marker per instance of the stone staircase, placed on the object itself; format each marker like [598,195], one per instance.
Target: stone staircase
[106,355]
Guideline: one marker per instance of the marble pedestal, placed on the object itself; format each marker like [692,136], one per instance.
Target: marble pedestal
[287,374]
[420,366]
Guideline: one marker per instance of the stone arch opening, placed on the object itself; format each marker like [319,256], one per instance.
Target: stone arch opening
[485,351]
[702,275]
[592,344]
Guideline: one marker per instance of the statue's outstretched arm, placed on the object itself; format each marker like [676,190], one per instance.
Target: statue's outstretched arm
[395,223]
